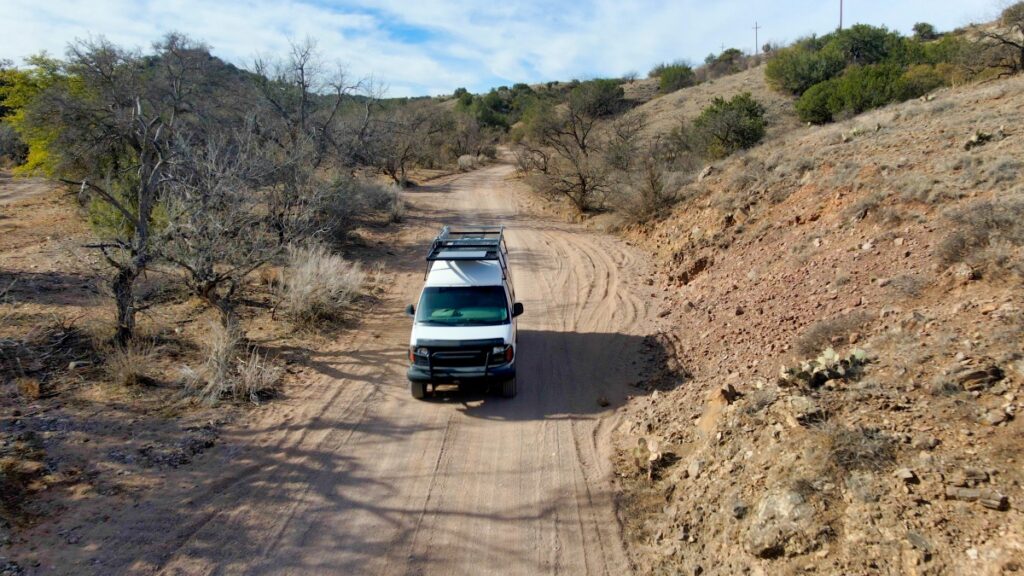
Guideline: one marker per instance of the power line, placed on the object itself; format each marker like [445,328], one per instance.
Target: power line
[757,44]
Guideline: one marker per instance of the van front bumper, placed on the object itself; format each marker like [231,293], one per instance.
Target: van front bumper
[450,375]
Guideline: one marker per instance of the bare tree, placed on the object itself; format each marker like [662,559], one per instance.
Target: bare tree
[217,226]
[398,137]
[303,101]
[1003,46]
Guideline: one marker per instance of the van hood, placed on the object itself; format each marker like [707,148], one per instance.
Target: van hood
[423,332]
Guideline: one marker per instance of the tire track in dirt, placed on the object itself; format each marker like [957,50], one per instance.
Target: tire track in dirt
[353,476]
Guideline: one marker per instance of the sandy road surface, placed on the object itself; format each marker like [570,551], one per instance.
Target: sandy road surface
[353,476]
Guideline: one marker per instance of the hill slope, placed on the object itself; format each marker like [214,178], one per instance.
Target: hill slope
[665,112]
[882,233]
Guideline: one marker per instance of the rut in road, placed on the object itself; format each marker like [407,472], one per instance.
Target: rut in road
[353,476]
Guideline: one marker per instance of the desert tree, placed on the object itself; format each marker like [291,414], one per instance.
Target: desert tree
[398,137]
[925,31]
[110,124]
[1003,46]
[300,118]
[575,164]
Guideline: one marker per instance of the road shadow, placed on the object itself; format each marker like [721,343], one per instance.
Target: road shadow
[564,375]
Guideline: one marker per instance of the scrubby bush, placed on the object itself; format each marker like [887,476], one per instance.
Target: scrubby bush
[396,208]
[650,191]
[862,44]
[854,449]
[863,88]
[12,149]
[825,333]
[229,370]
[814,60]
[597,98]
[730,61]
[467,162]
[799,67]
[922,79]
[350,199]
[730,125]
[1002,47]
[318,285]
[675,77]
[987,235]
[815,106]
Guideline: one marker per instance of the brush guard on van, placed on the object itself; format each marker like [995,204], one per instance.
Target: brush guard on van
[454,362]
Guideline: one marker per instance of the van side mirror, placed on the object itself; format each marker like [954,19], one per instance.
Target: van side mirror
[517,309]
[410,310]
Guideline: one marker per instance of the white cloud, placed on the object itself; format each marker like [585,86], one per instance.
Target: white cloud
[463,43]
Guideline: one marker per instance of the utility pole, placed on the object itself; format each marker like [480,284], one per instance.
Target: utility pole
[757,44]
[840,14]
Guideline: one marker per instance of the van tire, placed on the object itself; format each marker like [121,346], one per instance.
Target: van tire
[508,388]
[418,389]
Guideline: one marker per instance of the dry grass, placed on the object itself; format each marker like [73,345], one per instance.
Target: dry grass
[130,364]
[859,448]
[909,285]
[256,379]
[988,235]
[318,285]
[1004,170]
[915,187]
[396,209]
[229,370]
[825,333]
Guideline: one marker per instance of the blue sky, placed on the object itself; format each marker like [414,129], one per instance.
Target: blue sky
[418,47]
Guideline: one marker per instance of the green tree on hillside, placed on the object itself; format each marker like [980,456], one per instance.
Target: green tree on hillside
[925,31]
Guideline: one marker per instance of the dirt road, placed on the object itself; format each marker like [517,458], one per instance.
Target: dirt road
[353,476]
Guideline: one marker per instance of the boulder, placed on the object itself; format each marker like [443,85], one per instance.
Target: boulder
[782,524]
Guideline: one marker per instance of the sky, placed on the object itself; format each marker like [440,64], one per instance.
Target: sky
[431,47]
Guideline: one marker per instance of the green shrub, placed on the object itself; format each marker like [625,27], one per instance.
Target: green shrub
[730,125]
[948,49]
[815,106]
[863,88]
[597,98]
[814,60]
[797,68]
[862,44]
[730,61]
[920,80]
[675,77]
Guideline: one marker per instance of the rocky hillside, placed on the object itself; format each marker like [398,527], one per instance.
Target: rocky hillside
[846,321]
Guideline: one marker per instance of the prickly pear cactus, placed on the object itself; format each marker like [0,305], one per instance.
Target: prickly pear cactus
[828,366]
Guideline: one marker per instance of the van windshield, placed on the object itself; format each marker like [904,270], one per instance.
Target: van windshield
[463,306]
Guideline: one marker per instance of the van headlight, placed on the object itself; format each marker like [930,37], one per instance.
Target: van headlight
[506,353]
[415,353]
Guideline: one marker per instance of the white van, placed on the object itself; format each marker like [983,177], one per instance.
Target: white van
[464,327]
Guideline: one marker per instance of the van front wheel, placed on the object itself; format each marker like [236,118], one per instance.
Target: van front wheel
[418,390]
[508,388]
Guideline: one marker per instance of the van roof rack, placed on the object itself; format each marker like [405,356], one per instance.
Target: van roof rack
[469,243]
